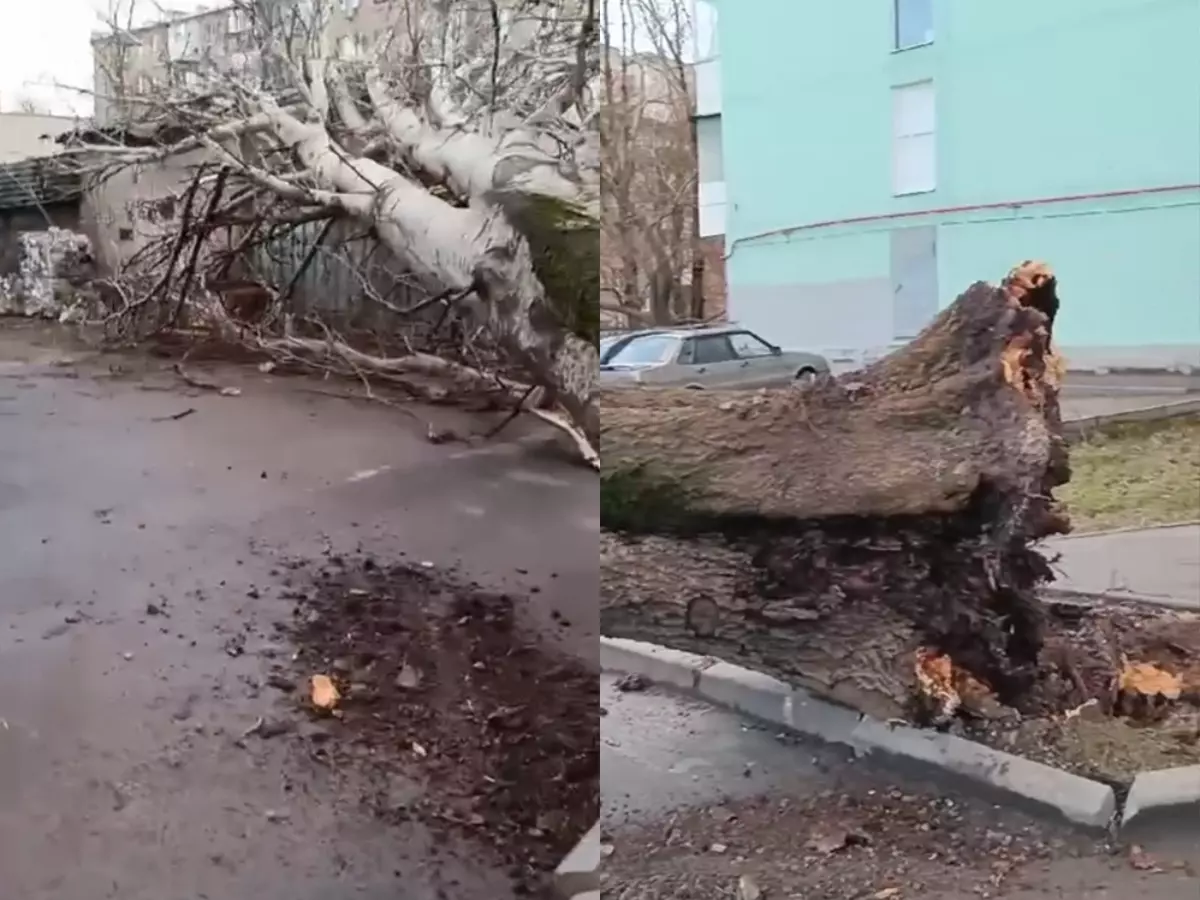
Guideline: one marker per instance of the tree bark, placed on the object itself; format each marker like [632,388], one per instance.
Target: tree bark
[855,536]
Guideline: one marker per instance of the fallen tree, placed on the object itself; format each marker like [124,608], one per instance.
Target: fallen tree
[869,538]
[461,141]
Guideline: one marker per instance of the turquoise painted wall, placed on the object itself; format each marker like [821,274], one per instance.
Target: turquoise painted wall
[1034,100]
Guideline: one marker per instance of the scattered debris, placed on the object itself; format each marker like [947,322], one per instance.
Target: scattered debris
[323,693]
[515,742]
[748,889]
[1140,860]
[409,678]
[235,646]
[281,682]
[834,841]
[267,728]
[175,417]
[632,683]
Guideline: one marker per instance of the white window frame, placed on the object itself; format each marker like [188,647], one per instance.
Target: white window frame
[901,9]
[239,20]
[914,138]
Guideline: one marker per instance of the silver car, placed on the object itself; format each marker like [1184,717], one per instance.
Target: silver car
[715,356]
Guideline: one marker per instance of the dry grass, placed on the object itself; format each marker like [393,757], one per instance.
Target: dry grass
[1135,475]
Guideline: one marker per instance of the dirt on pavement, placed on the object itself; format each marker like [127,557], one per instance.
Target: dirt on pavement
[436,680]
[151,739]
[874,842]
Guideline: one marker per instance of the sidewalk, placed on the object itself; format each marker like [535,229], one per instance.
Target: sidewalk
[1162,564]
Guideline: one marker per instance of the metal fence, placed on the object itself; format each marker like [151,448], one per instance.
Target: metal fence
[41,181]
[341,280]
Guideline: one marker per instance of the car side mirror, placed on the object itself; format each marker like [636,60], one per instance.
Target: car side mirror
[776,351]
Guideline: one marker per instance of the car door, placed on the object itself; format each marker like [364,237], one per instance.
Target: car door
[707,361]
[758,363]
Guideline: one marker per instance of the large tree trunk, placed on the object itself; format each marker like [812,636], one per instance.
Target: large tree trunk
[854,536]
[461,248]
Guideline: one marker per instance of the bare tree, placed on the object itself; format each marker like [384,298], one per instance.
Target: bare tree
[464,139]
[649,173]
[31,106]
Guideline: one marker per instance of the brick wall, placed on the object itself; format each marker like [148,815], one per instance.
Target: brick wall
[715,291]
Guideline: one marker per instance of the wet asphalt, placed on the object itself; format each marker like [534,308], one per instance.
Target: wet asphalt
[663,752]
[134,545]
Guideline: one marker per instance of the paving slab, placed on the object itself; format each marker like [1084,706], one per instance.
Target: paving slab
[1159,565]
[579,873]
[1163,795]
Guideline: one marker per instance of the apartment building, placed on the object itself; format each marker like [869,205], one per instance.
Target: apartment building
[181,46]
[877,157]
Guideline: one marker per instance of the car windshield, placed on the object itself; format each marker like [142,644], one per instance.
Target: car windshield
[645,351]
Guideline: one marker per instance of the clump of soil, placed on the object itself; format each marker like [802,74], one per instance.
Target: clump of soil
[436,681]
[1115,731]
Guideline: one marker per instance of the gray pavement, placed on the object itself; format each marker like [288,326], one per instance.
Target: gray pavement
[1085,395]
[1157,563]
[678,773]
[1080,405]
[119,775]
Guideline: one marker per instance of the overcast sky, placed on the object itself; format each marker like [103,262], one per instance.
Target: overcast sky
[48,41]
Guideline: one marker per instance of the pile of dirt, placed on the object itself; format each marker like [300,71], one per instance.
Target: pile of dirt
[870,842]
[435,681]
[1140,667]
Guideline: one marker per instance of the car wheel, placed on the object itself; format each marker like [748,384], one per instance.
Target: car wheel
[806,376]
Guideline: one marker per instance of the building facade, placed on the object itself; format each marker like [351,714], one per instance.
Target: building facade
[183,46]
[878,157]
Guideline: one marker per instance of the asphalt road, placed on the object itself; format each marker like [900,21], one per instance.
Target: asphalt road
[120,775]
[669,761]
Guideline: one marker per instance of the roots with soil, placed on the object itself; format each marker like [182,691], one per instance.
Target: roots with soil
[870,538]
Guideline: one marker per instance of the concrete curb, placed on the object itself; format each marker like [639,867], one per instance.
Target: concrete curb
[1074,429]
[1016,779]
[578,875]
[1162,795]
[1129,529]
[1160,600]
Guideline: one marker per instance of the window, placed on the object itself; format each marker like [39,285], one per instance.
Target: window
[913,20]
[708,149]
[645,351]
[710,349]
[239,20]
[914,139]
[749,346]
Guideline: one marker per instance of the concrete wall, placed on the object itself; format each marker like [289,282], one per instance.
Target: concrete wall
[134,206]
[1040,108]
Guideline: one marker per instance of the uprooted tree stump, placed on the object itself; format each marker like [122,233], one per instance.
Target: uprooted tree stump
[869,538]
